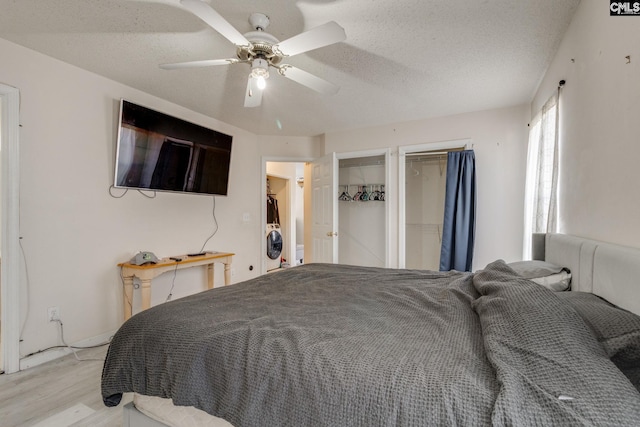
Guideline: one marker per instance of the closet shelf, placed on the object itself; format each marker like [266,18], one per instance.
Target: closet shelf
[431,227]
[360,185]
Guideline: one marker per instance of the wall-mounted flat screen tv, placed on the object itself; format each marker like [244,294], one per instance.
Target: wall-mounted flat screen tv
[156,151]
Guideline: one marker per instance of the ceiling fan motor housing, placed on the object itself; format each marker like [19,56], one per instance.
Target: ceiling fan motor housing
[261,47]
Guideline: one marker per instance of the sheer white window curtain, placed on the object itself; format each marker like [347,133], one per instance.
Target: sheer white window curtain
[541,191]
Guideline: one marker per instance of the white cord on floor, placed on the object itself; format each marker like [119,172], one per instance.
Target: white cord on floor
[71,348]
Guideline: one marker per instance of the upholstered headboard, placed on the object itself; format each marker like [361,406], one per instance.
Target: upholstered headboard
[607,270]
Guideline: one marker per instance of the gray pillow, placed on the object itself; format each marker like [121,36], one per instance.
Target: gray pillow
[617,330]
[544,273]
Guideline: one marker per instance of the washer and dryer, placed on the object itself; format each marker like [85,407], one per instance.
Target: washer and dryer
[274,246]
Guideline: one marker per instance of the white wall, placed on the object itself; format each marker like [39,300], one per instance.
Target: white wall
[600,124]
[74,233]
[499,139]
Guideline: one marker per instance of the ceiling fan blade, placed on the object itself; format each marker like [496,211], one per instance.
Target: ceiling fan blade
[317,37]
[197,64]
[215,21]
[308,79]
[253,95]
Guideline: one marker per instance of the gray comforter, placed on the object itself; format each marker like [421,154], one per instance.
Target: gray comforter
[332,345]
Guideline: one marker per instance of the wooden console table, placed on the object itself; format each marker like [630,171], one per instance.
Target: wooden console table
[148,271]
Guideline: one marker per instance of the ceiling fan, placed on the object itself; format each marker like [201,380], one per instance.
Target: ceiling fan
[262,50]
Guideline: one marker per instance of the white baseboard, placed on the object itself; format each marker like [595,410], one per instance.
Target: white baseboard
[56,353]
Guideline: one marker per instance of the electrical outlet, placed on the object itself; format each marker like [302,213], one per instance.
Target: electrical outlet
[53,314]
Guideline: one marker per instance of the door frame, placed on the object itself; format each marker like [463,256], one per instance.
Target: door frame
[10,275]
[402,190]
[263,192]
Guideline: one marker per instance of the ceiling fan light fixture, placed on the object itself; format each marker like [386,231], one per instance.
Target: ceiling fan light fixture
[260,72]
[260,68]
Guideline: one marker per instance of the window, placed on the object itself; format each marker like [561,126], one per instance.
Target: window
[541,190]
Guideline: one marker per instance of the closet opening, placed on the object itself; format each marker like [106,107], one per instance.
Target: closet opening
[347,210]
[422,181]
[362,211]
[425,184]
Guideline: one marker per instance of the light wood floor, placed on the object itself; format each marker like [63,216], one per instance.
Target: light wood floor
[33,395]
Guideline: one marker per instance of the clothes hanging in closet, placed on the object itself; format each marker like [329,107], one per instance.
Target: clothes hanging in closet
[273,216]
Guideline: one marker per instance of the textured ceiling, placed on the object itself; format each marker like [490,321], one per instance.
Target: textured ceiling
[402,59]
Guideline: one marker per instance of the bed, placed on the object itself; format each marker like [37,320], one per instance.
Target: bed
[336,345]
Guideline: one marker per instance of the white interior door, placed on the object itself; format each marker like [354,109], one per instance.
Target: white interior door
[324,217]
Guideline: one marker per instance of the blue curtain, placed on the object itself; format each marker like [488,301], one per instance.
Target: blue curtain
[459,225]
